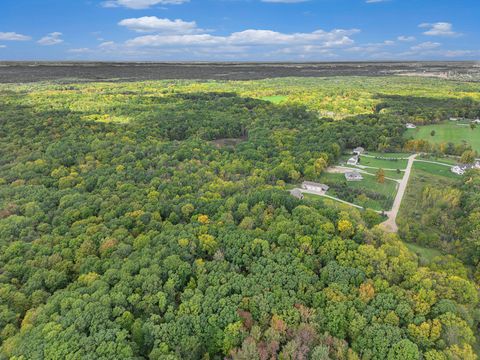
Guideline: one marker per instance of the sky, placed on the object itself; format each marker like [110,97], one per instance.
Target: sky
[239,30]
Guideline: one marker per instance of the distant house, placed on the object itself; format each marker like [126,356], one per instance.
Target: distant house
[354,160]
[296,193]
[462,168]
[316,187]
[476,121]
[454,119]
[458,169]
[353,176]
[410,126]
[358,150]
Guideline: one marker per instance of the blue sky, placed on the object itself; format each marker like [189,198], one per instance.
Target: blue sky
[239,30]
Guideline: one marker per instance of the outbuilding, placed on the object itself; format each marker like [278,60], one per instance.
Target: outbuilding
[353,176]
[316,187]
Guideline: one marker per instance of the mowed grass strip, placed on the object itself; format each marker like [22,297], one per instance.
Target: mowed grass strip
[383,163]
[447,132]
[435,169]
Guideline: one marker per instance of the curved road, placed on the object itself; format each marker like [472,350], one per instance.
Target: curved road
[390,225]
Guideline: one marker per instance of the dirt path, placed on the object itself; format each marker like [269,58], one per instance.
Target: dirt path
[332,198]
[390,225]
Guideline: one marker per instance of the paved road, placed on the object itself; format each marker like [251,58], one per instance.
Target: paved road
[390,225]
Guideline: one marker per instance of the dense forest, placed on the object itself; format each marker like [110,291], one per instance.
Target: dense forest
[131,228]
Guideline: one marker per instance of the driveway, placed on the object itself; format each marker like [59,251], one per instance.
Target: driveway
[390,225]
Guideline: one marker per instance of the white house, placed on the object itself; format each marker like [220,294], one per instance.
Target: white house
[461,169]
[316,187]
[358,151]
[458,169]
[353,176]
[454,119]
[476,121]
[410,126]
[354,160]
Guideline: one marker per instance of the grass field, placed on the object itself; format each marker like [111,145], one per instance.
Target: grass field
[447,132]
[378,163]
[369,183]
[389,155]
[276,99]
[411,215]
[435,169]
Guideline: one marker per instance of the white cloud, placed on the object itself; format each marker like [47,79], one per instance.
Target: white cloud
[251,37]
[12,36]
[428,45]
[371,47]
[406,38]
[141,4]
[154,24]
[79,50]
[438,29]
[51,39]
[3,46]
[375,1]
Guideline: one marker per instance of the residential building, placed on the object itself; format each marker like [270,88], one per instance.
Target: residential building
[354,160]
[358,150]
[353,176]
[316,187]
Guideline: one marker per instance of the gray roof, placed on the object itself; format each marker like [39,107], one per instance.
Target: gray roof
[353,174]
[311,183]
[297,193]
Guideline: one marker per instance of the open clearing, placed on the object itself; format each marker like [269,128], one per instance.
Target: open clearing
[447,132]
[425,253]
[275,99]
[347,190]
[435,169]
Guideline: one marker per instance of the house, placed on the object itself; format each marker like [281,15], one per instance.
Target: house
[458,169]
[354,160]
[358,150]
[476,121]
[462,168]
[410,126]
[353,176]
[316,187]
[454,119]
[296,193]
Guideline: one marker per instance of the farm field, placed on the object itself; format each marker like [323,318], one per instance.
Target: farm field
[447,132]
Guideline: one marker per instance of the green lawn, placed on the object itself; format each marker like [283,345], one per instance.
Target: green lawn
[369,184]
[378,163]
[383,163]
[447,132]
[389,155]
[276,99]
[435,169]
